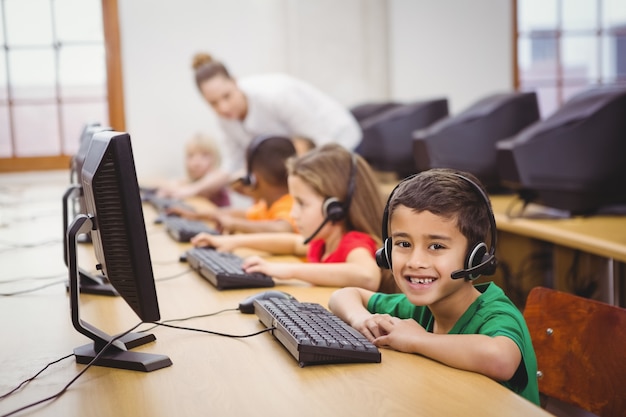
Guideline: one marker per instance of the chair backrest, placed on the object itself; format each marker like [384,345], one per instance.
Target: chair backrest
[581,350]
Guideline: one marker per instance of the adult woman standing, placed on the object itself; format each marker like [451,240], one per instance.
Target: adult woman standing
[269,104]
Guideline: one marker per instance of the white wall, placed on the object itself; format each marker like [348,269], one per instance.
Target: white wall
[457,49]
[355,50]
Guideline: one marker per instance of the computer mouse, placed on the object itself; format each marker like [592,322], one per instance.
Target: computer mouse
[247,305]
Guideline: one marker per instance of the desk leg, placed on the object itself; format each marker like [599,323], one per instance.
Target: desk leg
[610,281]
[617,278]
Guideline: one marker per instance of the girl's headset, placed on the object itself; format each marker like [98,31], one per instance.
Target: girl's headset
[334,210]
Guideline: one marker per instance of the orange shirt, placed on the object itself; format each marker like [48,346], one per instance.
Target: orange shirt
[280,210]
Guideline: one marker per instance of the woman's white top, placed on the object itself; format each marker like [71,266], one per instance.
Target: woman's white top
[282,105]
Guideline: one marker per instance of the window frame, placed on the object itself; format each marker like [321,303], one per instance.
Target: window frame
[560,82]
[115,97]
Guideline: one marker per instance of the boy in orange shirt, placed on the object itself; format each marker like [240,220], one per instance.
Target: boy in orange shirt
[266,183]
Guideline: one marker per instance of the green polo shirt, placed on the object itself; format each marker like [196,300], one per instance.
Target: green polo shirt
[492,314]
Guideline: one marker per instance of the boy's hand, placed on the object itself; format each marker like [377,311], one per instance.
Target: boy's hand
[370,325]
[398,334]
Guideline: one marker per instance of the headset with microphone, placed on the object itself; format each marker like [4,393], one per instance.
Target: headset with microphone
[479,260]
[250,179]
[334,210]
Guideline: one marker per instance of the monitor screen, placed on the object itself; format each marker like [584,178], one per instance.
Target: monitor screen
[114,214]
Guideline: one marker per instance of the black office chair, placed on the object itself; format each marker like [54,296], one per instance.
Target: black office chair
[387,135]
[467,141]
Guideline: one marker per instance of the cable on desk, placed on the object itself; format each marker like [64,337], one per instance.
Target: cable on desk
[15,245]
[50,284]
[215,333]
[180,274]
[43,277]
[26,381]
[189,318]
[65,388]
[11,222]
[172,262]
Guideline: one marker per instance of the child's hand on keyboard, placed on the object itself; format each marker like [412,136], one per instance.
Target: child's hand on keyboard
[279,270]
[222,243]
[181,212]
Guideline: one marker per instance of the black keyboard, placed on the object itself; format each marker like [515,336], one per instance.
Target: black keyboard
[224,271]
[182,229]
[314,335]
[161,204]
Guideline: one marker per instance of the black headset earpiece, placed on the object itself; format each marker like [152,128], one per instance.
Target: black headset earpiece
[383,254]
[479,260]
[334,210]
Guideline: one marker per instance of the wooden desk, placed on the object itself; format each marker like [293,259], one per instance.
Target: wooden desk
[214,375]
[601,236]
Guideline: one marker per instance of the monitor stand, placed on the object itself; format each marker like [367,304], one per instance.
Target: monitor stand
[105,350]
[88,283]
[91,284]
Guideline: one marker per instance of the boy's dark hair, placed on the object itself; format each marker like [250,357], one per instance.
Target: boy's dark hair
[445,194]
[268,159]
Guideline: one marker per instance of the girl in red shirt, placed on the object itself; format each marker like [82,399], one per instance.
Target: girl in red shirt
[338,209]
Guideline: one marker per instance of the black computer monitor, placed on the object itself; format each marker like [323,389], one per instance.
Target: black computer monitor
[387,141]
[74,203]
[574,160]
[467,141]
[115,218]
[76,163]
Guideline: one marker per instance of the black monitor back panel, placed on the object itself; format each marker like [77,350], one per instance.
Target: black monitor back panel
[575,159]
[466,141]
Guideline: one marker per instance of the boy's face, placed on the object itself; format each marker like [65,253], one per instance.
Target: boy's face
[307,206]
[426,249]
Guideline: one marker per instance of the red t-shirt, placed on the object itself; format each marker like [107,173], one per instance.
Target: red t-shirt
[349,241]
